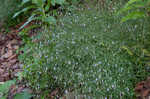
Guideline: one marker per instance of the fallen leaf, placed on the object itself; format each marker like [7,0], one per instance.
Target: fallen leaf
[14,41]
[2,52]
[1,71]
[12,57]
[16,47]
[9,46]
[8,54]
[12,62]
[145,92]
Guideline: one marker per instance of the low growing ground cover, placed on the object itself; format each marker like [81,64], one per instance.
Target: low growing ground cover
[90,52]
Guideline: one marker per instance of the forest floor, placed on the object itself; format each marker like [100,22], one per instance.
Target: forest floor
[10,65]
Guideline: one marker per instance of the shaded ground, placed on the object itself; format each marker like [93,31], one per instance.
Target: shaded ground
[9,44]
[9,64]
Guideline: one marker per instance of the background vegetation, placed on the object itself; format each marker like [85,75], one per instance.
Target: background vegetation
[7,8]
[85,48]
[91,53]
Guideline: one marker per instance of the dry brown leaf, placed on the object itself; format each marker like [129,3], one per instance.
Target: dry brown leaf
[14,41]
[4,64]
[9,64]
[9,45]
[2,79]
[12,57]
[1,71]
[5,75]
[139,86]
[147,83]
[8,54]
[2,52]
[145,92]
[12,62]
[16,47]
[15,66]
[13,89]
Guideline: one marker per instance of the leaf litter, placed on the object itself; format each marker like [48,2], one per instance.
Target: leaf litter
[9,63]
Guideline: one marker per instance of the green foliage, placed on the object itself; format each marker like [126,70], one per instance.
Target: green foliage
[136,8]
[91,53]
[40,10]
[7,8]
[4,88]
[23,95]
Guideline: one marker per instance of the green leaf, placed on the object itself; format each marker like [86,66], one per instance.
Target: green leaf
[60,2]
[34,1]
[50,20]
[20,75]
[38,11]
[24,32]
[4,97]
[39,3]
[134,6]
[48,5]
[23,95]
[53,2]
[5,87]
[133,15]
[28,21]
[25,1]
[47,8]
[128,50]
[23,10]
[131,2]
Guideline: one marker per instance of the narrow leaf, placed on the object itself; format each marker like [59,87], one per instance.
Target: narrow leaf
[131,2]
[5,87]
[28,21]
[133,15]
[53,2]
[50,20]
[23,10]
[60,2]
[23,95]
[25,1]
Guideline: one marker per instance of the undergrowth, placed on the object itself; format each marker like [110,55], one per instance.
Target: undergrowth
[90,52]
